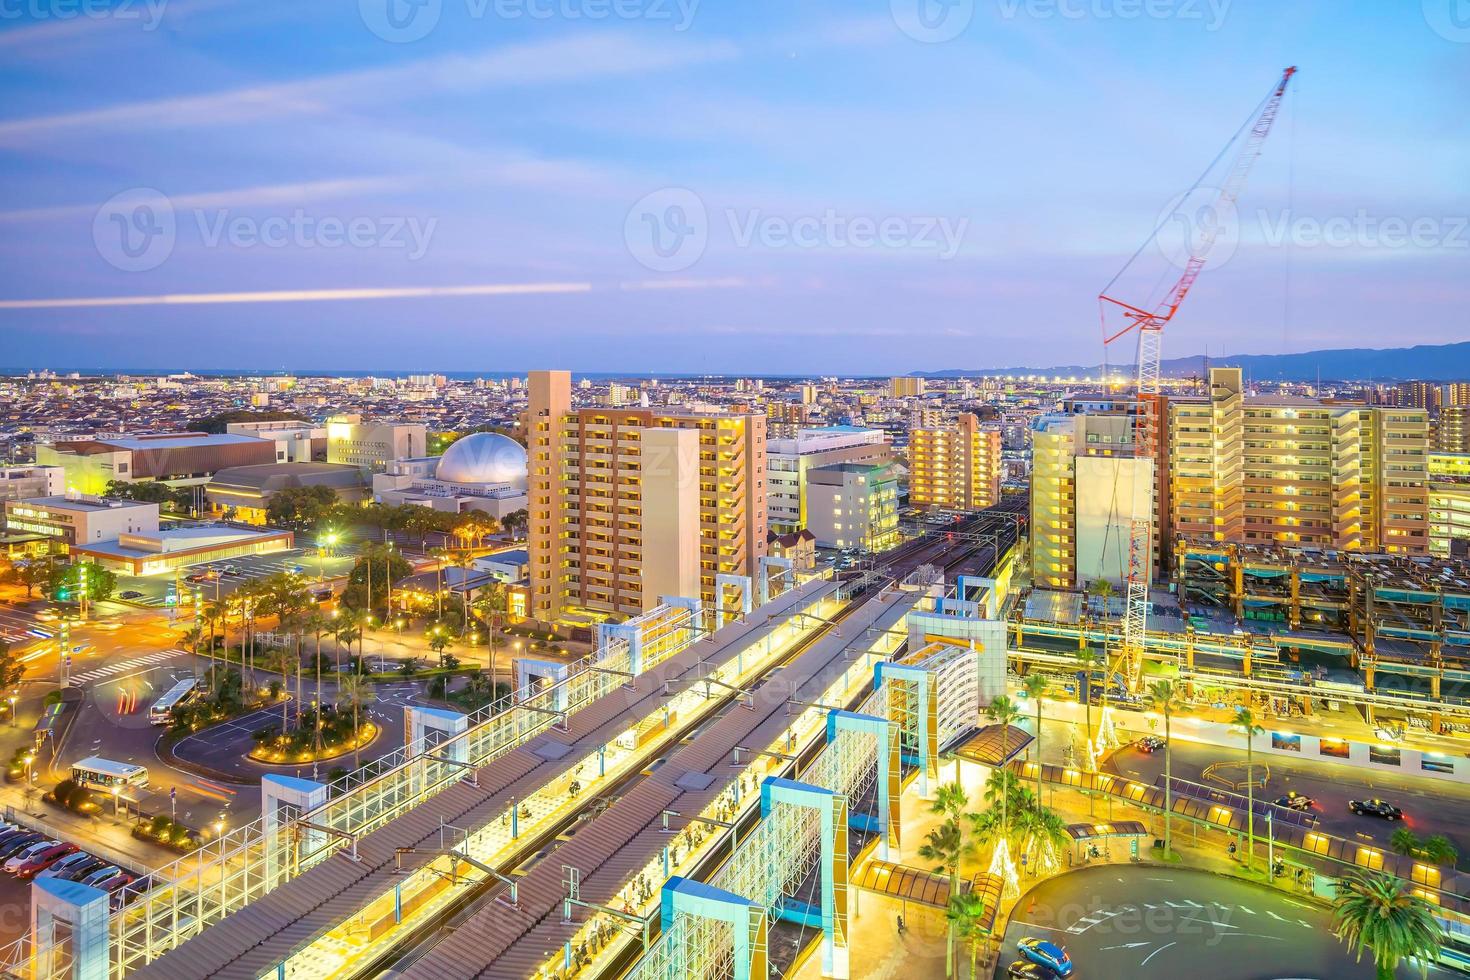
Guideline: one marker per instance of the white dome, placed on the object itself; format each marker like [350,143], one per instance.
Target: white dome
[484,457]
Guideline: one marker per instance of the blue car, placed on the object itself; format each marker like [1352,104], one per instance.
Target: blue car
[1046,954]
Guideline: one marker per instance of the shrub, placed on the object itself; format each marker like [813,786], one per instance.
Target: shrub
[160,827]
[64,792]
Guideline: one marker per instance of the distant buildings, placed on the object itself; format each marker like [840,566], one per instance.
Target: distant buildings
[21,482]
[373,447]
[1449,505]
[296,442]
[1452,434]
[627,505]
[906,387]
[955,466]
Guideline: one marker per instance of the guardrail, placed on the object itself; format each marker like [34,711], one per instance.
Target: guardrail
[127,862]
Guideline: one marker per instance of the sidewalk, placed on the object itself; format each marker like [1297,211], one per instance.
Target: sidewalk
[98,834]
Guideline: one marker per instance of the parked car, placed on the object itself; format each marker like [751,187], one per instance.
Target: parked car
[118,881]
[96,876]
[41,860]
[1295,801]
[1149,743]
[24,854]
[69,863]
[1026,970]
[20,842]
[82,869]
[1046,954]
[1376,808]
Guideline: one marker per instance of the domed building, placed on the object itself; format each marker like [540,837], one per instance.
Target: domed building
[484,471]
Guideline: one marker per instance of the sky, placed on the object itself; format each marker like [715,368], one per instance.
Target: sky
[742,186]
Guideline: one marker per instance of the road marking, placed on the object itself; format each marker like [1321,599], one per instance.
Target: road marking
[1104,949]
[1161,879]
[1305,925]
[1297,904]
[1244,909]
[1275,916]
[1155,953]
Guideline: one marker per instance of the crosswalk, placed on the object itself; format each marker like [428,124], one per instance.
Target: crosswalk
[123,666]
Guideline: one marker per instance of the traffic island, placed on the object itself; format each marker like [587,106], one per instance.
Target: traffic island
[296,747]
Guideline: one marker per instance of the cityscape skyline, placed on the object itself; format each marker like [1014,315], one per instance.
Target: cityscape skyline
[335,208]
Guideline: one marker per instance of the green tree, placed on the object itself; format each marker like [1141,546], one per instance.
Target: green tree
[300,508]
[356,691]
[950,800]
[1439,849]
[1003,711]
[965,914]
[516,523]
[381,566]
[944,847]
[1087,661]
[144,491]
[1035,686]
[32,574]
[439,641]
[1166,699]
[1245,721]
[1380,913]
[64,583]
[11,668]
[1404,841]
[491,606]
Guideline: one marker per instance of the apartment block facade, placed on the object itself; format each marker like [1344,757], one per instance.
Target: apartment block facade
[788,461]
[1291,471]
[628,504]
[1452,433]
[955,467]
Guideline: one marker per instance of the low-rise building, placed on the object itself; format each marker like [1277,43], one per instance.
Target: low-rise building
[245,492]
[76,520]
[373,447]
[177,458]
[160,552]
[23,482]
[788,461]
[484,471]
[853,505]
[797,547]
[296,442]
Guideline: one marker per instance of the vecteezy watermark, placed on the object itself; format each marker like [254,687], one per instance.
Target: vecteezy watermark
[669,230]
[147,12]
[932,21]
[1210,13]
[1364,230]
[137,230]
[405,21]
[1198,223]
[1450,19]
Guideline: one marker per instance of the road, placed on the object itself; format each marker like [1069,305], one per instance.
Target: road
[1143,923]
[1431,806]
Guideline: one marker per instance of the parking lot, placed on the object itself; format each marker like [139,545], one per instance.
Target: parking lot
[153,590]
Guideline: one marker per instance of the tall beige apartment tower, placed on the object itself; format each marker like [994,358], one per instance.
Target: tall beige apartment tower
[1297,471]
[956,467]
[627,505]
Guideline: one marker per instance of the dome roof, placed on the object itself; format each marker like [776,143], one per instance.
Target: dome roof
[484,457]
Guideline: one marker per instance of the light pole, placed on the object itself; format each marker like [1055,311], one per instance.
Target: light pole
[12,700]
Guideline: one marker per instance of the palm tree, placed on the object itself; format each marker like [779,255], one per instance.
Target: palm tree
[355,690]
[318,625]
[217,612]
[1166,699]
[490,605]
[279,660]
[1378,912]
[1035,686]
[950,800]
[964,915]
[192,638]
[1245,720]
[1440,850]
[1003,711]
[945,845]
[1087,663]
[1404,841]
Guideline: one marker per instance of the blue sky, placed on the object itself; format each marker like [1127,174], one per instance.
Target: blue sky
[685,185]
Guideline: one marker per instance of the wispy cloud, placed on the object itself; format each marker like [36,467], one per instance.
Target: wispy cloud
[558,61]
[241,197]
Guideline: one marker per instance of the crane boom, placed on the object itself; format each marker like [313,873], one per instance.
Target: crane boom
[1149,320]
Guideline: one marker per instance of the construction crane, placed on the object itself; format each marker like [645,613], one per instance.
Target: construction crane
[1121,316]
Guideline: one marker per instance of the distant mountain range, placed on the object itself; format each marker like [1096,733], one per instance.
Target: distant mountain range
[1427,362]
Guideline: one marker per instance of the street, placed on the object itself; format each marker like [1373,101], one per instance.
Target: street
[1431,806]
[1145,922]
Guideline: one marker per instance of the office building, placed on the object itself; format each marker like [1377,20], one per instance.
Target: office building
[76,520]
[373,447]
[628,505]
[789,460]
[853,505]
[179,459]
[955,467]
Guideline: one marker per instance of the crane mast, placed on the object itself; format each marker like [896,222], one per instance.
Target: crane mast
[1149,319]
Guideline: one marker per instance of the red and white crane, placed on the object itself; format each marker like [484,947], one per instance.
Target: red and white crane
[1121,316]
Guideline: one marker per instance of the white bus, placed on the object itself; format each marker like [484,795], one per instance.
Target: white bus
[97,773]
[177,695]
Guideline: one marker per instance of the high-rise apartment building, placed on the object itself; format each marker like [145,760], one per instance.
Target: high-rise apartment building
[627,504]
[905,387]
[1449,505]
[1296,471]
[955,467]
[853,505]
[1452,434]
[1456,393]
[1419,394]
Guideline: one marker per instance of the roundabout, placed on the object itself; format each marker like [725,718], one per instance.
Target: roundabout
[1145,922]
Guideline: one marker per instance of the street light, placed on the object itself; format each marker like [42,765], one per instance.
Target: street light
[116,796]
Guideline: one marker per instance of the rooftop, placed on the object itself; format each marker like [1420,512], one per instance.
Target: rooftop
[88,504]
